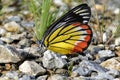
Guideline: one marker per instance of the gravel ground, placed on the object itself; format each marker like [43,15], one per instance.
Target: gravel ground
[21,59]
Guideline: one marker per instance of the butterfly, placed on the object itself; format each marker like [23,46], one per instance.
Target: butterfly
[71,33]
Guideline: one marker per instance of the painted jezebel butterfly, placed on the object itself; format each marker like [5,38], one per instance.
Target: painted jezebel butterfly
[70,33]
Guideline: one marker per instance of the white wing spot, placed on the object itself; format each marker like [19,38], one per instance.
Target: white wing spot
[84,14]
[76,10]
[85,17]
[85,21]
[80,11]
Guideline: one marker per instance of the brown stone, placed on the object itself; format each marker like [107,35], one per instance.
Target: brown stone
[113,63]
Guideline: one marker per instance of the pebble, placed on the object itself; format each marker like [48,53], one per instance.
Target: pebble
[28,25]
[58,2]
[114,73]
[26,55]
[9,54]
[106,53]
[100,60]
[87,67]
[118,52]
[26,13]
[116,11]
[62,72]
[8,34]
[112,47]
[103,76]
[89,55]
[6,39]
[117,41]
[44,77]
[33,50]
[10,75]
[8,9]
[96,49]
[1,42]
[27,77]
[24,43]
[82,78]
[99,8]
[13,75]
[18,36]
[2,32]
[12,27]
[57,77]
[13,18]
[113,63]
[52,60]
[31,67]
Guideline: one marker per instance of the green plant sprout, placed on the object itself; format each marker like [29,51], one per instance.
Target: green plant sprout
[42,16]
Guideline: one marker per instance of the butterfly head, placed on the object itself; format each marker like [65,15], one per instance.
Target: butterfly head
[42,47]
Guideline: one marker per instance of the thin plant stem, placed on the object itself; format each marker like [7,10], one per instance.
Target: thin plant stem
[97,21]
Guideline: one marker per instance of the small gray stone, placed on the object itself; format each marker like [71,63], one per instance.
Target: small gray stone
[27,77]
[18,36]
[2,32]
[13,18]
[32,68]
[9,9]
[24,42]
[26,54]
[15,36]
[28,25]
[117,41]
[114,73]
[100,60]
[95,50]
[6,39]
[1,42]
[87,67]
[12,75]
[42,77]
[57,77]
[9,54]
[52,60]
[112,47]
[25,12]
[62,71]
[34,50]
[88,54]
[82,78]
[104,76]
[106,53]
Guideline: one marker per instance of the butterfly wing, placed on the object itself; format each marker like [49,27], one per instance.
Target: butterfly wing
[70,33]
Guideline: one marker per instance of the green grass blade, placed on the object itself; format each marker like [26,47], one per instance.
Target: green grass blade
[44,18]
[41,14]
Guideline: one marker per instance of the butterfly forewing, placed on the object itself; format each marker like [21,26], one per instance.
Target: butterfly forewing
[70,33]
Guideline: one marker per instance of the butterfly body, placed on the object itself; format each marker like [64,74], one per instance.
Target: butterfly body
[69,34]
